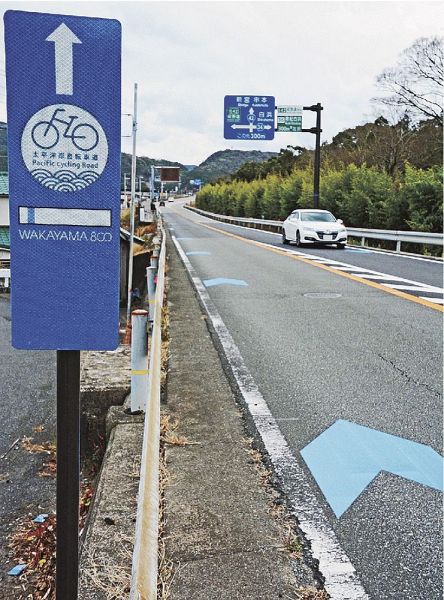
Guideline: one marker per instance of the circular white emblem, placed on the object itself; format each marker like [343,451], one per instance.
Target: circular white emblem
[64,147]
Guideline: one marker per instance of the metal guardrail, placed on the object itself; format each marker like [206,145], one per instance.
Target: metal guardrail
[413,237]
[145,559]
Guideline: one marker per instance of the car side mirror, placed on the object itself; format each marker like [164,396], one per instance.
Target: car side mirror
[340,221]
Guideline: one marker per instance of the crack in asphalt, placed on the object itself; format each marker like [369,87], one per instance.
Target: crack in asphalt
[409,378]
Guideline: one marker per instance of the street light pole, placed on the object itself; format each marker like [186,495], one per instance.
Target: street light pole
[133,201]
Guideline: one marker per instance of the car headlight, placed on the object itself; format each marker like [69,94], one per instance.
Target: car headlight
[308,228]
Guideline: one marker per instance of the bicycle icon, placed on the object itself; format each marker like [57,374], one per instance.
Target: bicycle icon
[46,134]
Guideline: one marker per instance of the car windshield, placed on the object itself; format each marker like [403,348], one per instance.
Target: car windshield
[314,216]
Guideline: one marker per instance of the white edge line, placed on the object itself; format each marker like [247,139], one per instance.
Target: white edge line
[341,579]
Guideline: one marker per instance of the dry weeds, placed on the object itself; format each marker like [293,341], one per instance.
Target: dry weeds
[165,566]
[33,448]
[311,593]
[111,575]
[33,544]
[167,433]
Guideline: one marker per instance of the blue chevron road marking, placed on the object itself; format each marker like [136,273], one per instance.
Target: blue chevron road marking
[198,253]
[346,458]
[223,281]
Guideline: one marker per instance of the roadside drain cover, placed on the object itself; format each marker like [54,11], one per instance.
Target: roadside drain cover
[322,295]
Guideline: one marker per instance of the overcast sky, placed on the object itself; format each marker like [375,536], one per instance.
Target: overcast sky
[186,56]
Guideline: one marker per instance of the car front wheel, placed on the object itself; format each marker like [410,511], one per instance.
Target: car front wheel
[340,246]
[285,241]
[298,239]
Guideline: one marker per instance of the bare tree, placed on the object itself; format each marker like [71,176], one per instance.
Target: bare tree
[416,82]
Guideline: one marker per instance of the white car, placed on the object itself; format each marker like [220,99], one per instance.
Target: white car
[307,225]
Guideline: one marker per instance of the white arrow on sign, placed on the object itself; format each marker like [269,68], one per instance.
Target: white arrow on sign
[249,127]
[63,39]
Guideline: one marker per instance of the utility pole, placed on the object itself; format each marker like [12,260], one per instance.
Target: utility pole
[152,183]
[133,201]
[125,175]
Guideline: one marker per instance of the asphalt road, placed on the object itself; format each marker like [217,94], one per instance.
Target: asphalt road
[27,400]
[365,356]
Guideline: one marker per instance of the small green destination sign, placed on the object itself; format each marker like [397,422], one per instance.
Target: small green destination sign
[289,118]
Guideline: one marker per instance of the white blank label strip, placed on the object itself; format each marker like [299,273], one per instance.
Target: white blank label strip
[79,217]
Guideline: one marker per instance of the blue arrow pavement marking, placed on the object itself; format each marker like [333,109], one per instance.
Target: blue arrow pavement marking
[183,238]
[223,281]
[198,253]
[360,250]
[346,458]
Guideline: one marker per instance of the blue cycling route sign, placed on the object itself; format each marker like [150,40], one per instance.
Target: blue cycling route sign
[63,99]
[249,117]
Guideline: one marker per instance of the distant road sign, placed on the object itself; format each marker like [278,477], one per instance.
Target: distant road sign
[169,174]
[249,117]
[63,84]
[289,118]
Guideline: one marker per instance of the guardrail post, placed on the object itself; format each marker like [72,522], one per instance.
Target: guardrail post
[151,287]
[155,258]
[363,241]
[398,246]
[139,360]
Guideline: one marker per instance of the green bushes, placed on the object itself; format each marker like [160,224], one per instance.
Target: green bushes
[362,196]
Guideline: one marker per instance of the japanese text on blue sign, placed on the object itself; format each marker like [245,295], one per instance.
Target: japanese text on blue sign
[249,117]
[63,97]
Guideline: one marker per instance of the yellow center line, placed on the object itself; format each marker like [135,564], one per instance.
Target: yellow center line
[308,261]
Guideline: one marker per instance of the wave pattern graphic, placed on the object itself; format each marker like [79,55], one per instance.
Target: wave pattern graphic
[65,180]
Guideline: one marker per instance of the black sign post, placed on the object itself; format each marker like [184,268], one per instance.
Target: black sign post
[317,161]
[68,473]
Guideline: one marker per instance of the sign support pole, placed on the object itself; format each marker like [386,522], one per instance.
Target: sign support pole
[317,158]
[133,203]
[68,473]
[317,161]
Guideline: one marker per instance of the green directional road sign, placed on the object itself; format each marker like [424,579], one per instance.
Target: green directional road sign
[289,123]
[289,118]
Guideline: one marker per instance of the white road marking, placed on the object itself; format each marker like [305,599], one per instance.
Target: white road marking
[355,270]
[378,276]
[341,579]
[404,284]
[416,288]
[434,300]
